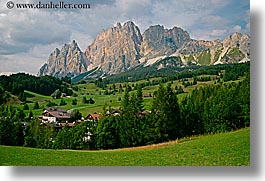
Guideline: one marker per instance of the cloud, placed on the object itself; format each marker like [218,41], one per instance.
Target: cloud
[82,39]
[23,29]
[237,28]
[31,34]
[29,61]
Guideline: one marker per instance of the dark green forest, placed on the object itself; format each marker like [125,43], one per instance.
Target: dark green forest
[220,107]
[45,85]
[231,72]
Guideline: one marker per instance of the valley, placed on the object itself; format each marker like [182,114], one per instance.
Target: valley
[109,113]
[168,86]
[109,95]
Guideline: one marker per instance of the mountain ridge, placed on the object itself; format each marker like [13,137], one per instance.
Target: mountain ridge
[124,47]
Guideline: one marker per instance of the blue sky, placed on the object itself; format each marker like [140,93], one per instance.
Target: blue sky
[28,36]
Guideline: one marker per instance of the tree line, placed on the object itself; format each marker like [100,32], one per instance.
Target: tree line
[45,85]
[210,109]
[230,72]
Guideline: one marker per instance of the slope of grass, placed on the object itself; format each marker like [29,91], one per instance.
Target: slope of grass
[90,90]
[225,149]
[204,58]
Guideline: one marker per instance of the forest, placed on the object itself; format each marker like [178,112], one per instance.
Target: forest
[232,72]
[215,108]
[45,85]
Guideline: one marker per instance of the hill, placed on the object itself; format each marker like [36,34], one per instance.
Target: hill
[111,89]
[225,149]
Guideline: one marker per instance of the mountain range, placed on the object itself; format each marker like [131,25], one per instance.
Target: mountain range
[123,48]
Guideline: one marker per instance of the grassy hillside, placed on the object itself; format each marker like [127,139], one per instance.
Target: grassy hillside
[102,97]
[90,90]
[225,149]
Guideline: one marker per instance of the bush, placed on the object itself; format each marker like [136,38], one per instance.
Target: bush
[62,103]
[36,105]
[56,94]
[74,102]
[51,104]
[25,107]
[91,101]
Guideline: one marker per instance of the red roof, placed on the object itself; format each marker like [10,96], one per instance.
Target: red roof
[69,124]
[93,116]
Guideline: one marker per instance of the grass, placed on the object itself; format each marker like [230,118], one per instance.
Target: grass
[90,90]
[204,58]
[225,149]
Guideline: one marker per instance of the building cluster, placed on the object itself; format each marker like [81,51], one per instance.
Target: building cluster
[60,118]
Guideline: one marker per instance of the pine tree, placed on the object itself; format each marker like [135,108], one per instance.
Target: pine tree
[158,115]
[30,115]
[36,105]
[172,114]
[139,99]
[62,102]
[84,100]
[126,101]
[26,107]
[74,102]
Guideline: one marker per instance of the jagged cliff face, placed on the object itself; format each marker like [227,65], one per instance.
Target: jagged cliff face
[123,47]
[116,49]
[234,49]
[158,41]
[69,61]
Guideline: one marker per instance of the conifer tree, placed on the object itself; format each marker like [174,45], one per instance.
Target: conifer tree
[139,99]
[172,114]
[126,100]
[158,115]
[36,105]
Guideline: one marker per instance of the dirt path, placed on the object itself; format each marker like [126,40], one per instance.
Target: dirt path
[153,146]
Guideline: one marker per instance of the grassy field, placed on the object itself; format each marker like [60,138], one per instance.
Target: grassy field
[90,90]
[225,149]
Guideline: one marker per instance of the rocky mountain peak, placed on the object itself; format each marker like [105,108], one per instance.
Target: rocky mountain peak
[123,47]
[158,41]
[69,61]
[116,49]
[56,52]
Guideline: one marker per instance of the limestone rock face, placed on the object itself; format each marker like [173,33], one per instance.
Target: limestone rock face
[240,41]
[234,49]
[117,49]
[158,41]
[195,46]
[69,61]
[123,47]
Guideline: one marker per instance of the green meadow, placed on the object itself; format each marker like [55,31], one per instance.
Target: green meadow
[223,149]
[90,90]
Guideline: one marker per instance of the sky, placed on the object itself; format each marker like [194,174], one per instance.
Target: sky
[28,36]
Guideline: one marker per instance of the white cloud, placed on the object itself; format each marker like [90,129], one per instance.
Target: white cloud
[237,28]
[82,39]
[31,35]
[29,61]
[24,29]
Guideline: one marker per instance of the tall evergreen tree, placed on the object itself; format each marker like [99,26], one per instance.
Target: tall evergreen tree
[158,114]
[126,101]
[139,99]
[36,105]
[172,114]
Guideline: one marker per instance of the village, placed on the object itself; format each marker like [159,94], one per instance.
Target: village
[60,117]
